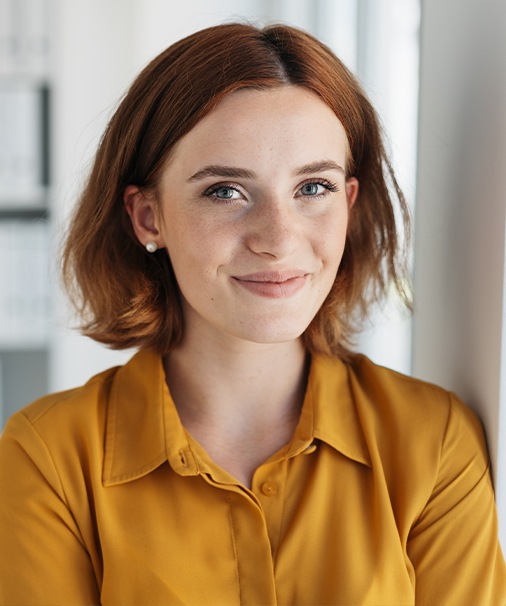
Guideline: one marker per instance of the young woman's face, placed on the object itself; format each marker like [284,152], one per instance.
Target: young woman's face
[254,208]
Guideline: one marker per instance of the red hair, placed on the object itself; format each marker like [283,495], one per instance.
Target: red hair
[128,297]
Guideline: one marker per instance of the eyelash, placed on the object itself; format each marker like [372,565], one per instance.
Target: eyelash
[328,185]
[211,191]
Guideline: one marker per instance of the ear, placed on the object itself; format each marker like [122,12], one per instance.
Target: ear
[351,191]
[142,210]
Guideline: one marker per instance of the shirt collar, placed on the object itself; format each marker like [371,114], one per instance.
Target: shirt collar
[330,413]
[138,429]
[143,429]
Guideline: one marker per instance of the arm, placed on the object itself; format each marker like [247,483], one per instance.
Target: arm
[454,544]
[43,559]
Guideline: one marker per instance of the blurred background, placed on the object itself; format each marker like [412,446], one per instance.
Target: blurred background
[64,65]
[434,69]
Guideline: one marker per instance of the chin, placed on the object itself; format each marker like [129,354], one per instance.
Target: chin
[269,334]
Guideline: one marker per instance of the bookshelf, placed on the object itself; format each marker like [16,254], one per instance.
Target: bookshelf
[25,216]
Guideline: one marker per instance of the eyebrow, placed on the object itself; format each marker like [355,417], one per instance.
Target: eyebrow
[232,172]
[222,171]
[318,167]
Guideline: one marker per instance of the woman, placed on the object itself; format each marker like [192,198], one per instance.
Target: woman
[236,224]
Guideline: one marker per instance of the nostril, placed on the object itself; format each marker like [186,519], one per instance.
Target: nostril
[273,232]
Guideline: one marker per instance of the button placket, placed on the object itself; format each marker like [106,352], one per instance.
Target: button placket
[269,488]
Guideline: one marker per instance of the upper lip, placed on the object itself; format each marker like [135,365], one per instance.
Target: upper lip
[272,276]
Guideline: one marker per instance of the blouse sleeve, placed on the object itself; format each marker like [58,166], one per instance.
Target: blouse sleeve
[43,559]
[454,544]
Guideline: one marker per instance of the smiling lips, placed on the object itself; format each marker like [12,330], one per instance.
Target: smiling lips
[273,285]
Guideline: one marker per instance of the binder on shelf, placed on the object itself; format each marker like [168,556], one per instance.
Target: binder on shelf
[24,152]
[25,280]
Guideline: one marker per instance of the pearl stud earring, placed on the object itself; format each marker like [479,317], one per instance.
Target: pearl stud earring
[151,247]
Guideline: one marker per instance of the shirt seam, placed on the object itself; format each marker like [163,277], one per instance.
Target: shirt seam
[436,475]
[110,437]
[65,396]
[112,480]
[286,464]
[414,533]
[63,494]
[234,546]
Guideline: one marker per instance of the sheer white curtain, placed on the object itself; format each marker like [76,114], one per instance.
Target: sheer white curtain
[379,41]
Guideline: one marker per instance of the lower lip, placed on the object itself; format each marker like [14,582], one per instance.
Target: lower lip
[274,290]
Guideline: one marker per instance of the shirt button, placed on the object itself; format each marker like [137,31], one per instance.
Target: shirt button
[269,489]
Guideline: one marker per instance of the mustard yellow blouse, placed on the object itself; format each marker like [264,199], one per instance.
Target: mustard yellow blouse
[383,497]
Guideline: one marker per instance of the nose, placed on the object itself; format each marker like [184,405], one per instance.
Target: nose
[273,228]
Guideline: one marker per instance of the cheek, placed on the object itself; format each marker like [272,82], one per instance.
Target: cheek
[196,250]
[331,237]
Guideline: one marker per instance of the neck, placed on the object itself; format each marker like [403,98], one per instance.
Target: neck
[243,397]
[247,380]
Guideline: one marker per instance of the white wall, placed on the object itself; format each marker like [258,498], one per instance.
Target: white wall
[159,23]
[93,66]
[459,321]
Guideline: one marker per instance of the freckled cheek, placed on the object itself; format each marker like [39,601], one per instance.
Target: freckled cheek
[329,238]
[200,256]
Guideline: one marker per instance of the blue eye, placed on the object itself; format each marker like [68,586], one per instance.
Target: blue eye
[223,192]
[226,193]
[311,189]
[316,189]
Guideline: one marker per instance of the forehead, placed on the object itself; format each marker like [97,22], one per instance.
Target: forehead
[250,125]
[283,105]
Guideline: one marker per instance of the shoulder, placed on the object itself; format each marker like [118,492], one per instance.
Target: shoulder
[125,385]
[61,430]
[86,427]
[391,387]
[380,392]
[408,425]
[410,404]
[73,406]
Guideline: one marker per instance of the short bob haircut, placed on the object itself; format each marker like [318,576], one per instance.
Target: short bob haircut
[128,297]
